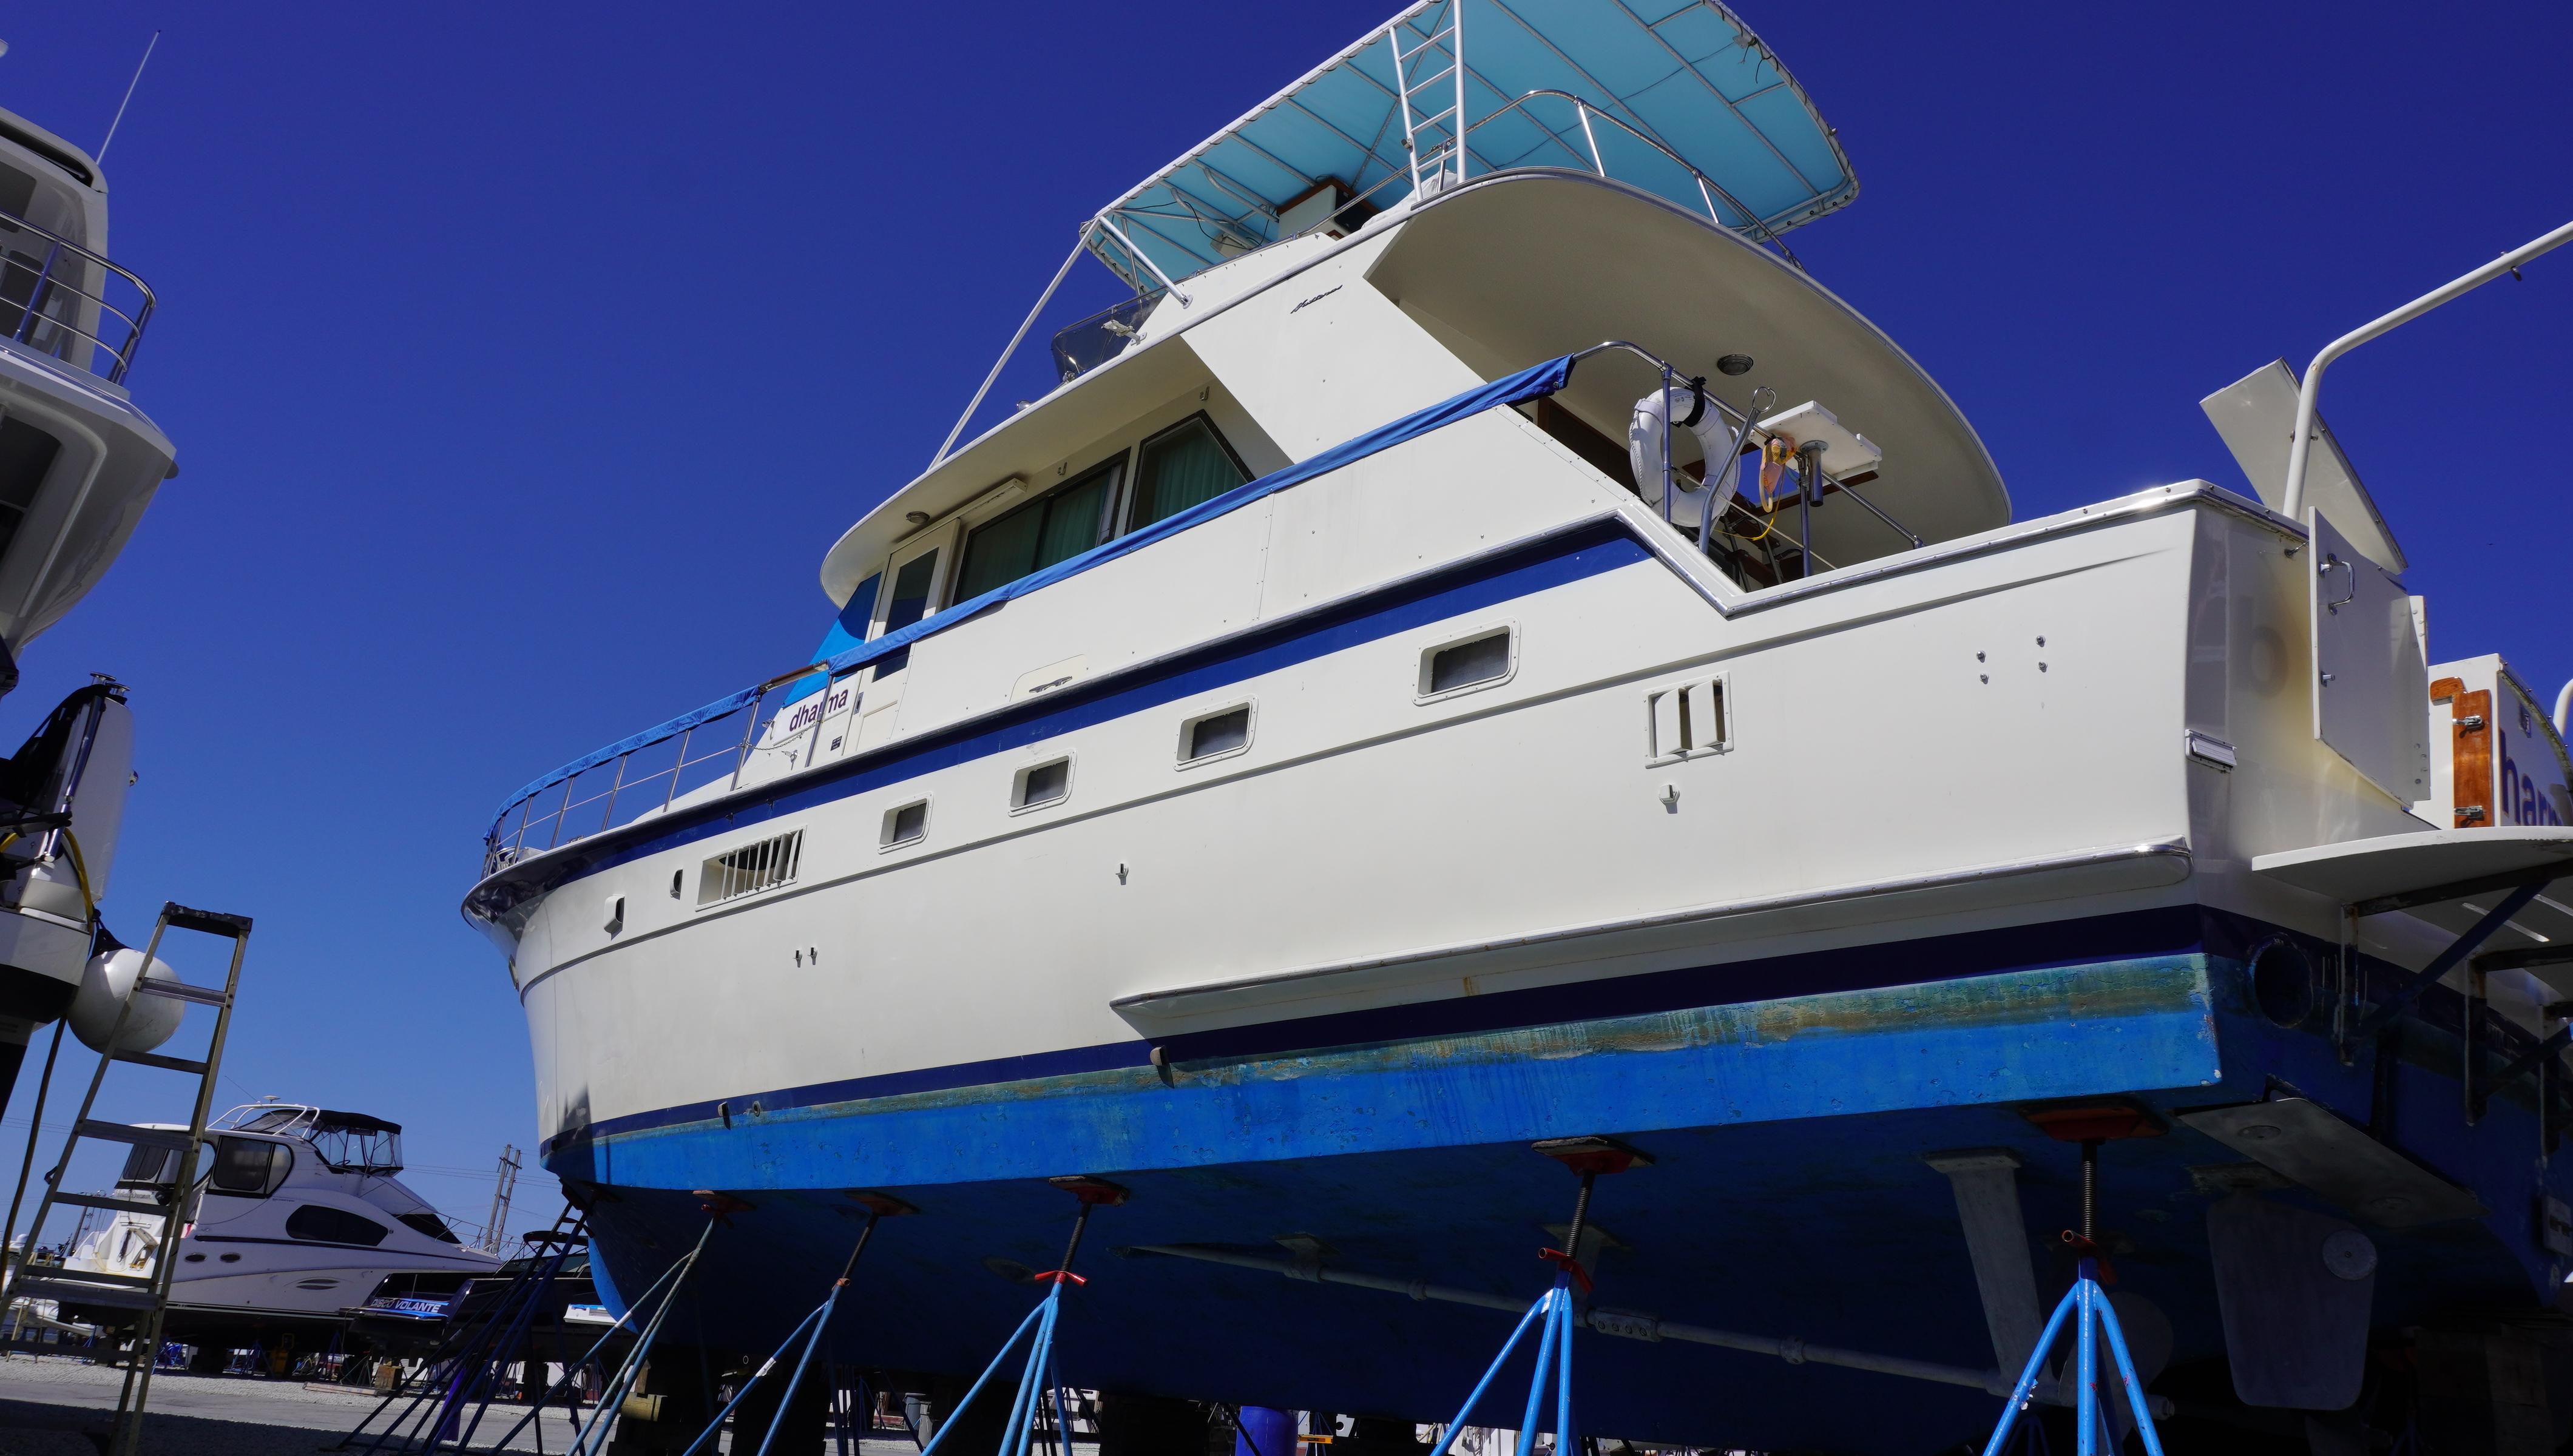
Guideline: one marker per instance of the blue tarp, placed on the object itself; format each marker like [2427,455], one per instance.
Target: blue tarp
[1526,384]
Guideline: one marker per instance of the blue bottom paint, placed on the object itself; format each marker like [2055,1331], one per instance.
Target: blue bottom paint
[1787,1197]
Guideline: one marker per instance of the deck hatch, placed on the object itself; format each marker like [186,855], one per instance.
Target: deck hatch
[751,869]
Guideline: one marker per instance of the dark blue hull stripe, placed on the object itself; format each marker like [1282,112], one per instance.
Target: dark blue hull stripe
[2171,930]
[1588,551]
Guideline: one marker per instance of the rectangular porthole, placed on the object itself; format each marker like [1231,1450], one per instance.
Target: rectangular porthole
[1038,785]
[1210,736]
[1485,659]
[905,824]
[751,869]
[1688,719]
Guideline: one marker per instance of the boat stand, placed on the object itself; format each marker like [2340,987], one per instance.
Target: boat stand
[809,1330]
[1039,1385]
[471,1358]
[1588,1156]
[2087,1303]
[594,1434]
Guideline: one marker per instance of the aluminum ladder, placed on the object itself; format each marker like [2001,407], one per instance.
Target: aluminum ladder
[147,1293]
[1433,134]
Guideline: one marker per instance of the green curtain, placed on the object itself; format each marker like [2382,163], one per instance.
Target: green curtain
[1181,468]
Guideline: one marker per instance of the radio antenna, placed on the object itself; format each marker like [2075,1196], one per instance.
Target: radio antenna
[129,96]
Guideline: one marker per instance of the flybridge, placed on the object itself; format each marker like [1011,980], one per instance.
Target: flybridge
[1682,101]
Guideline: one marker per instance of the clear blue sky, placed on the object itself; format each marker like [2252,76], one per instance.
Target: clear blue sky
[524,360]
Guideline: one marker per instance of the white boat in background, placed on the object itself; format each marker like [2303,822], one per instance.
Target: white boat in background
[298,1219]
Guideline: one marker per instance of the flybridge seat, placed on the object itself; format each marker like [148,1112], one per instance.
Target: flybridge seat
[1680,100]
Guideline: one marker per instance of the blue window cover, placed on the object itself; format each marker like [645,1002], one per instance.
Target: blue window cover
[1517,389]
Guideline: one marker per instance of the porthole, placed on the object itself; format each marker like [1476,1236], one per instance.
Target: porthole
[1485,659]
[2283,982]
[905,824]
[1038,785]
[1219,734]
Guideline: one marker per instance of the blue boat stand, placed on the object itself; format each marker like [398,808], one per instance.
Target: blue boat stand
[809,1330]
[1588,1156]
[1039,1385]
[2087,1304]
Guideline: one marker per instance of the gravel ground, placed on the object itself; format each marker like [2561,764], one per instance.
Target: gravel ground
[44,1400]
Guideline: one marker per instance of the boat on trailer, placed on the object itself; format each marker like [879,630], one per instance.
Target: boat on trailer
[1485,648]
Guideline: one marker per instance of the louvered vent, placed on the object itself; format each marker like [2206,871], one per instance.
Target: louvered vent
[751,869]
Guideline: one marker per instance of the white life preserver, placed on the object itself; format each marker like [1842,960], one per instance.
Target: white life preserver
[1644,436]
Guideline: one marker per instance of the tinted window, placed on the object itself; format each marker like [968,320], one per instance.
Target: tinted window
[430,1224]
[911,586]
[1055,527]
[1466,664]
[1179,467]
[145,1166]
[333,1225]
[1044,784]
[249,1167]
[1220,733]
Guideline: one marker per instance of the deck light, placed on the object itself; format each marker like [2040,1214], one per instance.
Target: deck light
[1733,363]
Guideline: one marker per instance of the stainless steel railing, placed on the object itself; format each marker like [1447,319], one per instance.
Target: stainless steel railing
[540,821]
[59,298]
[1590,116]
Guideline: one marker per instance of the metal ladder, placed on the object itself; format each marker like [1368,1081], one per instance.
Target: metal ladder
[1434,134]
[149,1294]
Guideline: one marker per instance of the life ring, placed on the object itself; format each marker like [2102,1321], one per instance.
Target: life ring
[1649,425]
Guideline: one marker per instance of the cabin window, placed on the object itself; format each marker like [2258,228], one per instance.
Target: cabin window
[150,1167]
[249,1167]
[1215,735]
[751,869]
[333,1225]
[26,457]
[1041,784]
[1477,661]
[912,584]
[430,1224]
[1056,527]
[1184,465]
[908,824]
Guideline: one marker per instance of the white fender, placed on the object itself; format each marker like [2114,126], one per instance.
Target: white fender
[1645,433]
[105,984]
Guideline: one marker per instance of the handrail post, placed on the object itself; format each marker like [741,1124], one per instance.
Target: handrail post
[36,296]
[1597,164]
[608,814]
[678,766]
[742,756]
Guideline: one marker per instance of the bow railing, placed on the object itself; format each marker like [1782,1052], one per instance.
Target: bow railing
[64,301]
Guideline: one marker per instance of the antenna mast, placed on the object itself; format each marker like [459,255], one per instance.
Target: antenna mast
[129,95]
[500,1195]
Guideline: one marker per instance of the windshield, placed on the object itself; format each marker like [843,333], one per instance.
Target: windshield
[348,1143]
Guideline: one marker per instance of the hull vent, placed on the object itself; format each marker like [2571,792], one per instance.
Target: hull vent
[751,869]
